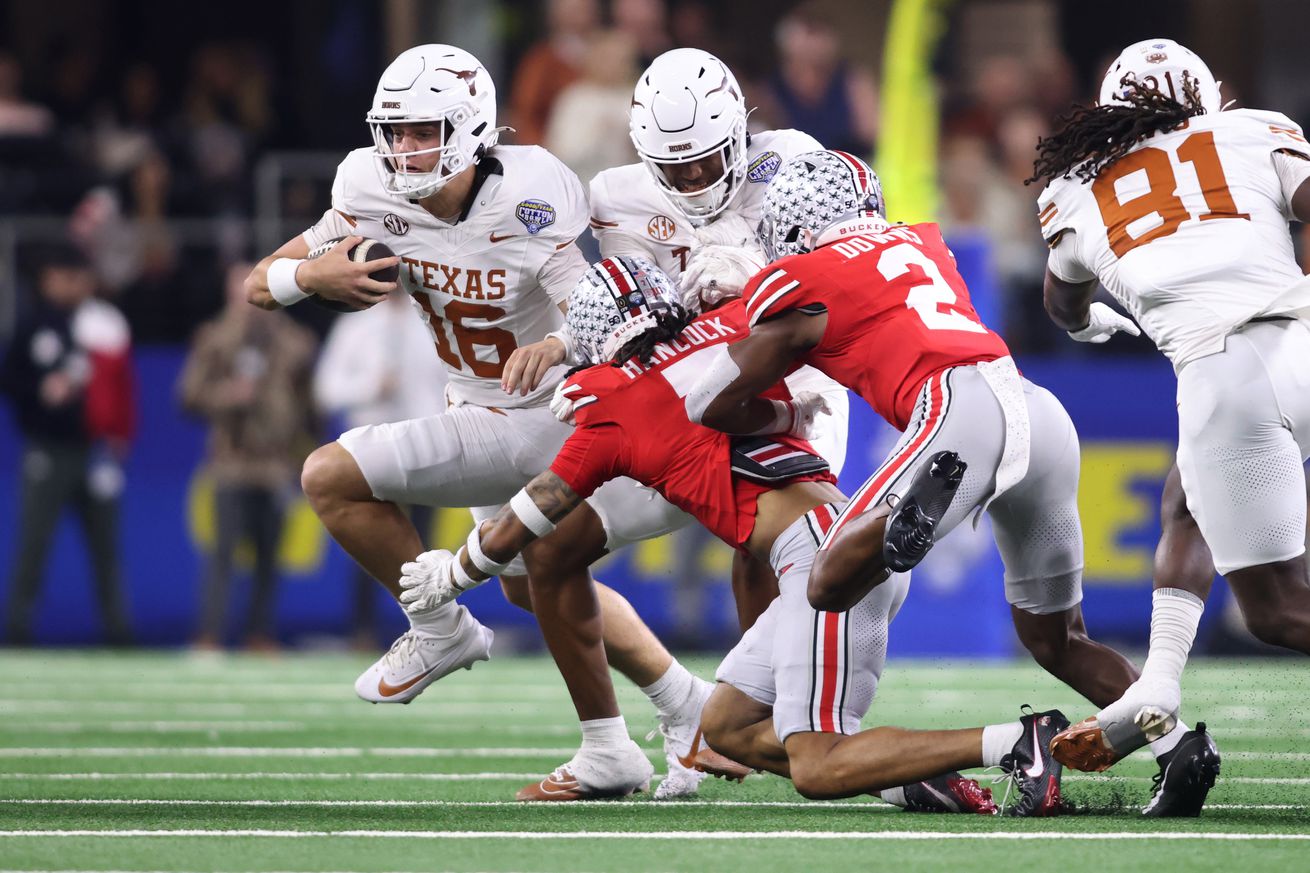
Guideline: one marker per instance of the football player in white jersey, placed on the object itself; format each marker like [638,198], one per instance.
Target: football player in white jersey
[1181,211]
[691,206]
[484,235]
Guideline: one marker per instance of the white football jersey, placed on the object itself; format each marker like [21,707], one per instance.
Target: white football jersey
[492,281]
[629,215]
[1188,231]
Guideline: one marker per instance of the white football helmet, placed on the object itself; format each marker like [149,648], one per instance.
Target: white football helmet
[1161,65]
[687,106]
[615,301]
[815,199]
[433,83]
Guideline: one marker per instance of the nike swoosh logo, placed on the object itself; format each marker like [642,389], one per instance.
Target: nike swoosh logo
[947,802]
[550,785]
[388,690]
[689,761]
[494,238]
[1039,764]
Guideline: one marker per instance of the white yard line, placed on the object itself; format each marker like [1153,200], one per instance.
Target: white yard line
[29,727]
[680,835]
[862,806]
[290,752]
[487,776]
[241,777]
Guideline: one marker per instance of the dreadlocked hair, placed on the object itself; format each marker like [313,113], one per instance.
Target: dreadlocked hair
[1091,138]
[669,325]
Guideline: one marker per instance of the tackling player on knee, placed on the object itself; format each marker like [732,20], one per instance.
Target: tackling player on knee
[769,494]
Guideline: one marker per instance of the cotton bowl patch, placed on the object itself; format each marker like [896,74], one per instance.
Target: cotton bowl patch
[763,167]
[535,214]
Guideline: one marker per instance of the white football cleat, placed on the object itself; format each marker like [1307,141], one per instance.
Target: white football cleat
[681,739]
[417,659]
[593,774]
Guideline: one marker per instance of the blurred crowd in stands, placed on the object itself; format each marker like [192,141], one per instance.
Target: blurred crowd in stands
[130,158]
[145,173]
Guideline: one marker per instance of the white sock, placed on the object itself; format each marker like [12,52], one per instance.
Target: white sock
[605,733]
[671,692]
[998,741]
[1167,742]
[439,621]
[1175,615]
[894,796]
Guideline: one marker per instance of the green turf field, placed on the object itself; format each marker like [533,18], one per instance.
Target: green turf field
[166,762]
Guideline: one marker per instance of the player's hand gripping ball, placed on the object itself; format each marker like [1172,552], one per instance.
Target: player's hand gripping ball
[361,252]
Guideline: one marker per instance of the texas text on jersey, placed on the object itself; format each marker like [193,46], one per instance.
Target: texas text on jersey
[488,283]
[631,421]
[630,216]
[1147,228]
[898,312]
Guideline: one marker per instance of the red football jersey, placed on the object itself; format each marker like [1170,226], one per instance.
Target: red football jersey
[898,312]
[632,421]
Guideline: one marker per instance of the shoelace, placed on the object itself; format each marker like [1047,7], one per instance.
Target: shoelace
[1011,780]
[664,730]
[403,648]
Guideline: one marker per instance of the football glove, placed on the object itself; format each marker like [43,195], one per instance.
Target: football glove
[561,405]
[715,273]
[428,581]
[806,407]
[1103,323]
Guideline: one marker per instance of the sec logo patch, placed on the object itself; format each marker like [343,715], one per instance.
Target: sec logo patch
[395,224]
[661,227]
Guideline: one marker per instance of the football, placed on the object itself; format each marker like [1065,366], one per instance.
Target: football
[364,250]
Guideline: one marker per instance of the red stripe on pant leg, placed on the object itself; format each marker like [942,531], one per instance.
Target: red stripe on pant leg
[831,620]
[890,470]
[823,517]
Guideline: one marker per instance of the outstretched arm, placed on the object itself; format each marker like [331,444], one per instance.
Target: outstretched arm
[726,397]
[438,576]
[1068,303]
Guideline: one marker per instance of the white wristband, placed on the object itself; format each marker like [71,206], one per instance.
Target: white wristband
[462,580]
[479,557]
[533,518]
[784,416]
[282,281]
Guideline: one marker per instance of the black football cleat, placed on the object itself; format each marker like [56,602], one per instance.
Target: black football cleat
[1035,772]
[910,526]
[1187,773]
[949,792]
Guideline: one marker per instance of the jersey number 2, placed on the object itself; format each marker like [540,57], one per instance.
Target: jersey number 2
[1160,197]
[931,296]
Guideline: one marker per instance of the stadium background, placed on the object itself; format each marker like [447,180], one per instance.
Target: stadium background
[249,106]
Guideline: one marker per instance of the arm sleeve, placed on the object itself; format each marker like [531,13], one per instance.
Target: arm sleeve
[1064,263]
[590,457]
[1293,169]
[333,225]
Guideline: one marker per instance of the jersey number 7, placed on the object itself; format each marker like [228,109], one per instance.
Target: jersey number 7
[1160,198]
